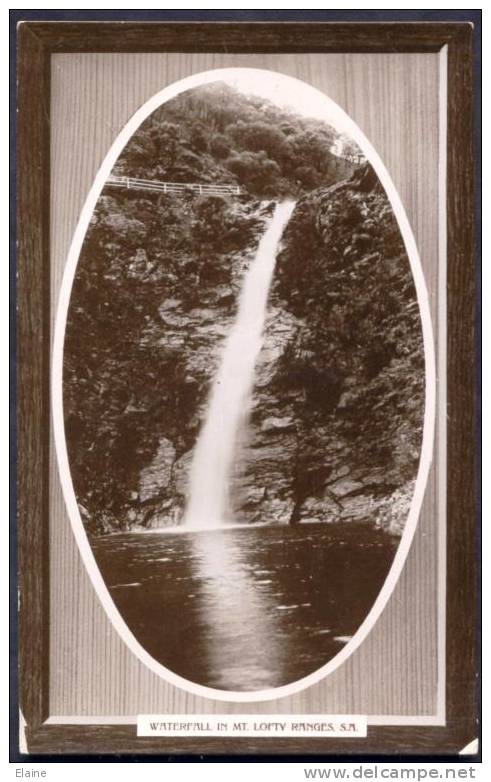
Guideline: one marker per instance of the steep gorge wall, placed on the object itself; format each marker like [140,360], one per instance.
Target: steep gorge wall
[154,295]
[338,411]
[156,290]
[336,420]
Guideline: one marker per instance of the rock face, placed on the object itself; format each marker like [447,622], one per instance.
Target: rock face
[337,419]
[143,339]
[337,410]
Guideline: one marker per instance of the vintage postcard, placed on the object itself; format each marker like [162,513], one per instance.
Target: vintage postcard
[246,429]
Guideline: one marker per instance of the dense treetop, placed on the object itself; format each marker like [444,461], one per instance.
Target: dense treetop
[214,133]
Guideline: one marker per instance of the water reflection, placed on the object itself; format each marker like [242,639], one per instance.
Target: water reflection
[243,639]
[245,608]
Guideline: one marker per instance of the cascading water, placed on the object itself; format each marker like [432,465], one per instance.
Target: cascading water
[209,505]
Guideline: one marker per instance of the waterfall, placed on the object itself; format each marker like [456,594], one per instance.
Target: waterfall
[228,403]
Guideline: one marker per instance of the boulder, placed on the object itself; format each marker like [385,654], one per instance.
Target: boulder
[275,510]
[320,509]
[277,424]
[345,486]
[139,265]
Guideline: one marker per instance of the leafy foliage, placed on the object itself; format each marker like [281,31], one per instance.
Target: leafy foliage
[213,133]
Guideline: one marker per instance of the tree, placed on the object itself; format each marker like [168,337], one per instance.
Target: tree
[199,139]
[258,137]
[307,176]
[220,146]
[255,171]
[312,149]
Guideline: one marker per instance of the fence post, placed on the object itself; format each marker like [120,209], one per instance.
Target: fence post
[127,182]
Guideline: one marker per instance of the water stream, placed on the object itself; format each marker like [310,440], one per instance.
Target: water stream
[209,501]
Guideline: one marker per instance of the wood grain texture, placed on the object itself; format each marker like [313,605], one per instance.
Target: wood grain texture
[122,740]
[394,99]
[246,37]
[462,478]
[91,670]
[33,383]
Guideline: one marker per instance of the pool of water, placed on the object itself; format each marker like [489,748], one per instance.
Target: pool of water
[245,608]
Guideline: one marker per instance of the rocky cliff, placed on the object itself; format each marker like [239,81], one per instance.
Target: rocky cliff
[336,422]
[337,410]
[154,295]
[339,400]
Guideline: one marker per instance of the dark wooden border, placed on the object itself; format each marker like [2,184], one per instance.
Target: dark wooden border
[37,41]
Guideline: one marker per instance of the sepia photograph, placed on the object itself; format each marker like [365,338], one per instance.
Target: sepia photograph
[244,382]
[246,511]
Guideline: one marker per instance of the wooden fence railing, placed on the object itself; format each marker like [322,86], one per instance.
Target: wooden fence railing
[172,187]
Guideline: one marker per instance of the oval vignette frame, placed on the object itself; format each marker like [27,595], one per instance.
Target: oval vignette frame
[83,544]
